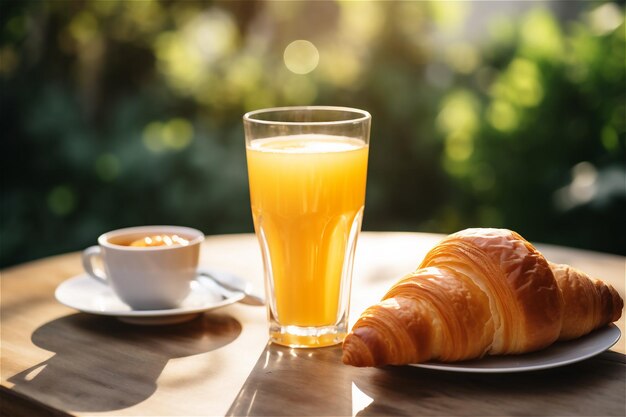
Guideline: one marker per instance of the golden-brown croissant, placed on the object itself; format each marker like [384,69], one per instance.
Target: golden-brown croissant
[478,292]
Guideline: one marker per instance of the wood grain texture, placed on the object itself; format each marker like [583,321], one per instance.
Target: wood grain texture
[79,364]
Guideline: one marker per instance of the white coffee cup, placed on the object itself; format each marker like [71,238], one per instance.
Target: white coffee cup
[146,278]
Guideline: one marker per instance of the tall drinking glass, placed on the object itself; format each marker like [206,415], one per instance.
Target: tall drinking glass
[307,168]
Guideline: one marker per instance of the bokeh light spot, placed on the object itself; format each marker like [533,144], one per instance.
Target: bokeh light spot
[521,84]
[152,137]
[540,35]
[213,34]
[503,116]
[84,27]
[301,57]
[61,200]
[458,113]
[449,15]
[181,64]
[177,134]
[605,18]
[525,79]
[459,147]
[583,186]
[610,139]
[582,189]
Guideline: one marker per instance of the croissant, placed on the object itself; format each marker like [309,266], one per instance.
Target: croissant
[480,292]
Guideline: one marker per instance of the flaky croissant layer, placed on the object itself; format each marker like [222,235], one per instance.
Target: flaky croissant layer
[478,292]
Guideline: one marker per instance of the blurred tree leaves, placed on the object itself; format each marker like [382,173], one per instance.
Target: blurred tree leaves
[502,114]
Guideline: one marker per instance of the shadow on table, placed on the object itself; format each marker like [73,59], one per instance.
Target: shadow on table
[296,382]
[594,387]
[101,364]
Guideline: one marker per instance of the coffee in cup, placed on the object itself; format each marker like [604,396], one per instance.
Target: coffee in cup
[148,267]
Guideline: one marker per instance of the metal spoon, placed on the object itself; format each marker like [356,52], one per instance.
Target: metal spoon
[232,283]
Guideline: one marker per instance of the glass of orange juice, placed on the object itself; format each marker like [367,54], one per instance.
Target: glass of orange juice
[307,168]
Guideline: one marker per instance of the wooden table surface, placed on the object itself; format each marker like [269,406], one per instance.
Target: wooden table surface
[56,361]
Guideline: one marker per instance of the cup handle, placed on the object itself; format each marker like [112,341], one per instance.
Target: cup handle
[88,255]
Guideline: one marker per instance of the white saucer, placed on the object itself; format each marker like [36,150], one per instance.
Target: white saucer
[558,354]
[85,294]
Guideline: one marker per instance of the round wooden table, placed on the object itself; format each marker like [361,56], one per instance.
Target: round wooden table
[57,361]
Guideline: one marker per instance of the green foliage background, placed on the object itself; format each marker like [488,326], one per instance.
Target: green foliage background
[490,114]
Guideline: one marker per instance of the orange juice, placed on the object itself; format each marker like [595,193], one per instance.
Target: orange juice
[307,194]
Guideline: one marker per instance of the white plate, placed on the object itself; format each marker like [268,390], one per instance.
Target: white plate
[558,354]
[90,296]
